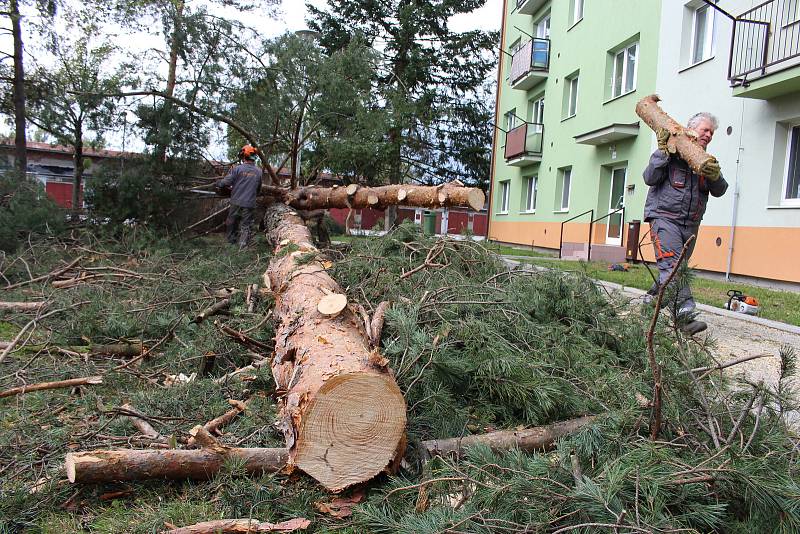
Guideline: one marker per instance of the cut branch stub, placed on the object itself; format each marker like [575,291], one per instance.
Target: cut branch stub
[343,416]
[332,305]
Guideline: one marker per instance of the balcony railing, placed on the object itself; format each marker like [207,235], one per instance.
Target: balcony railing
[766,36]
[529,7]
[524,140]
[532,59]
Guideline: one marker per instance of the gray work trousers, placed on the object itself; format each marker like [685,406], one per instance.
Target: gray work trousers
[239,225]
[668,238]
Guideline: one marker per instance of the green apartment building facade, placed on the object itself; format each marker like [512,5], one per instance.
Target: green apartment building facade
[568,140]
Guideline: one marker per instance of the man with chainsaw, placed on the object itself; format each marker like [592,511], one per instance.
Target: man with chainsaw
[676,202]
[244,183]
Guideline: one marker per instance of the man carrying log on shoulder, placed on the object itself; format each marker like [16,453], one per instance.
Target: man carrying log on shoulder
[675,206]
[244,182]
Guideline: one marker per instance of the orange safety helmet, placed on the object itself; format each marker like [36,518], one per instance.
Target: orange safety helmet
[248,152]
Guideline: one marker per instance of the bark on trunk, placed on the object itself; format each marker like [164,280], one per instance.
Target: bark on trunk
[173,464]
[342,413]
[175,46]
[77,178]
[450,195]
[531,439]
[656,118]
[20,141]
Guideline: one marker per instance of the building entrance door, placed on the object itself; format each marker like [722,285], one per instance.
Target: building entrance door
[615,201]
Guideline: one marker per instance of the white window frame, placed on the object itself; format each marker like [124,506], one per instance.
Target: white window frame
[511,119]
[531,192]
[566,188]
[505,191]
[625,75]
[708,39]
[577,11]
[537,113]
[785,201]
[543,27]
[572,96]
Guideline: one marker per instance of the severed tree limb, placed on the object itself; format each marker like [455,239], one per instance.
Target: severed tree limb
[176,464]
[655,421]
[450,195]
[214,309]
[652,114]
[247,369]
[378,318]
[138,420]
[22,306]
[241,526]
[31,324]
[242,338]
[198,223]
[531,439]
[213,426]
[115,349]
[48,276]
[706,370]
[86,381]
[173,464]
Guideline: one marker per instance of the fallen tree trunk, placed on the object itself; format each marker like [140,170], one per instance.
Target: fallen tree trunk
[656,118]
[173,464]
[341,412]
[450,195]
[129,465]
[529,439]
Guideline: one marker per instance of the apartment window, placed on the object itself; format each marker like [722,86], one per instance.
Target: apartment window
[543,28]
[576,11]
[791,188]
[511,120]
[570,96]
[623,76]
[536,114]
[529,201]
[566,185]
[702,33]
[505,189]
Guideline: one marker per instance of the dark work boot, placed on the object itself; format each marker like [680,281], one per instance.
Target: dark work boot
[693,327]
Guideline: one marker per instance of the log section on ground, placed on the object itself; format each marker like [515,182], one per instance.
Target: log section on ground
[656,118]
[177,464]
[173,464]
[450,195]
[342,413]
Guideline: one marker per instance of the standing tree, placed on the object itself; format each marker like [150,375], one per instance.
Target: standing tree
[65,104]
[429,82]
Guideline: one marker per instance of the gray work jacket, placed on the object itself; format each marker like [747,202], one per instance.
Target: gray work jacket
[676,192]
[245,183]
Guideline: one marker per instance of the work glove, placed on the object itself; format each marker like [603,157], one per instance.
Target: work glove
[663,137]
[711,170]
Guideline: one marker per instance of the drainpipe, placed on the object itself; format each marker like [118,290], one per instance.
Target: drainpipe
[735,201]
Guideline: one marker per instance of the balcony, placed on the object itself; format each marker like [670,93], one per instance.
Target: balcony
[530,64]
[765,51]
[529,7]
[524,145]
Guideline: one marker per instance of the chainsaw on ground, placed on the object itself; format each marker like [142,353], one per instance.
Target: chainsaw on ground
[741,303]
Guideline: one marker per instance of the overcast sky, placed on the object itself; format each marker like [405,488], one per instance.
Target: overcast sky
[291,17]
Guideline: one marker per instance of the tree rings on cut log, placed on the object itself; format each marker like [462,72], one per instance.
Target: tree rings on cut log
[372,199]
[351,429]
[332,304]
[401,195]
[352,189]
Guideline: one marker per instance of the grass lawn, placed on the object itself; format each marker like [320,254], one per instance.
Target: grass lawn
[783,306]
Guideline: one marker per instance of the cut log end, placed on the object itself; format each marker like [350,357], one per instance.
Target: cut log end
[373,199]
[351,189]
[69,465]
[352,430]
[476,199]
[332,305]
